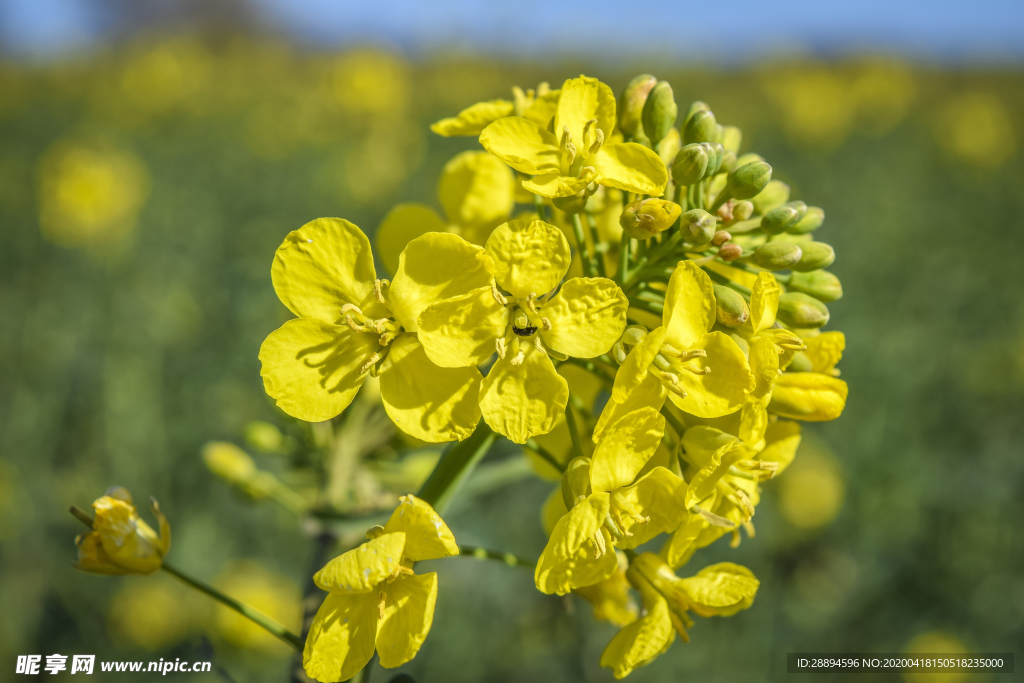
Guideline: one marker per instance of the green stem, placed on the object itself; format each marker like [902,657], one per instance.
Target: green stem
[596,239]
[455,466]
[648,306]
[622,276]
[723,280]
[256,617]
[574,432]
[487,554]
[538,205]
[673,421]
[581,246]
[544,454]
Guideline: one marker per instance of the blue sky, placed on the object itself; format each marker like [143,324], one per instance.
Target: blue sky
[731,30]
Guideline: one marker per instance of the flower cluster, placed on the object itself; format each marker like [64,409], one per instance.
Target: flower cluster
[634,302]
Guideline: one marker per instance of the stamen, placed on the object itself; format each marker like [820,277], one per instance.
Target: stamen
[539,345]
[498,296]
[386,338]
[595,147]
[351,307]
[369,362]
[499,346]
[748,526]
[703,371]
[599,544]
[378,289]
[519,358]
[669,350]
[712,518]
[734,542]
[379,325]
[353,325]
[546,324]
[586,129]
[531,303]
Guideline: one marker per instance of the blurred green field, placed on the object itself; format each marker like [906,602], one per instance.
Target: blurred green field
[132,321]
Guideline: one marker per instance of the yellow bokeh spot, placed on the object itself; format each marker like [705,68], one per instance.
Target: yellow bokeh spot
[976,128]
[817,106]
[150,614]
[166,74]
[371,83]
[811,491]
[90,195]
[936,642]
[269,593]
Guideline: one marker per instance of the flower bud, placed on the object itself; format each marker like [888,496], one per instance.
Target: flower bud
[715,154]
[742,211]
[774,195]
[646,218]
[730,251]
[631,103]
[701,127]
[576,482]
[698,227]
[810,222]
[728,161]
[777,255]
[264,436]
[574,203]
[801,209]
[690,164]
[799,310]
[721,237]
[731,138]
[748,180]
[731,309]
[659,113]
[693,109]
[229,462]
[776,221]
[815,255]
[821,284]
[121,542]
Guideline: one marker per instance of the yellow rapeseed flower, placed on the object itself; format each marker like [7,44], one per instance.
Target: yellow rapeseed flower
[477,192]
[351,324]
[535,105]
[526,322]
[120,542]
[580,151]
[815,396]
[771,347]
[374,600]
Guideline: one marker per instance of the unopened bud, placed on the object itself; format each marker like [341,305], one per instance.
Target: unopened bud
[731,309]
[264,436]
[646,218]
[698,227]
[810,222]
[700,127]
[776,221]
[690,164]
[659,113]
[821,284]
[721,237]
[748,180]
[777,255]
[815,255]
[799,310]
[731,138]
[715,153]
[728,161]
[631,103]
[730,251]
[801,208]
[774,195]
[575,482]
[575,203]
[742,211]
[229,462]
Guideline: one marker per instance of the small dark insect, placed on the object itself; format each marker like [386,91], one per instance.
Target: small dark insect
[524,331]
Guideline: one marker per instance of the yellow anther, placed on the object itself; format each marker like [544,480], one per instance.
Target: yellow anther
[539,345]
[595,146]
[382,598]
[519,358]
[499,346]
[353,324]
[378,289]
[351,307]
[387,337]
[498,296]
[669,350]
[546,324]
[599,544]
[531,303]
[586,129]
[369,362]
[702,371]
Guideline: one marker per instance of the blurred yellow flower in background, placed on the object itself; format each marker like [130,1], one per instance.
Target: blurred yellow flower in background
[936,642]
[975,128]
[811,494]
[151,614]
[270,593]
[90,195]
[162,76]
[370,83]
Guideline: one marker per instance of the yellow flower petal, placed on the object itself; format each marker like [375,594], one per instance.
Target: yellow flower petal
[583,99]
[643,640]
[722,589]
[587,317]
[322,266]
[520,401]
[472,120]
[764,366]
[126,539]
[825,351]
[569,560]
[689,306]
[630,167]
[427,537]
[625,448]
[435,266]
[556,185]
[657,495]
[724,389]
[522,144]
[312,369]
[764,303]
[680,546]
[424,400]
[461,331]
[341,638]
[808,396]
[361,569]
[783,438]
[543,108]
[529,257]
[636,369]
[752,425]
[403,224]
[611,600]
[476,188]
[711,465]
[408,614]
[552,510]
